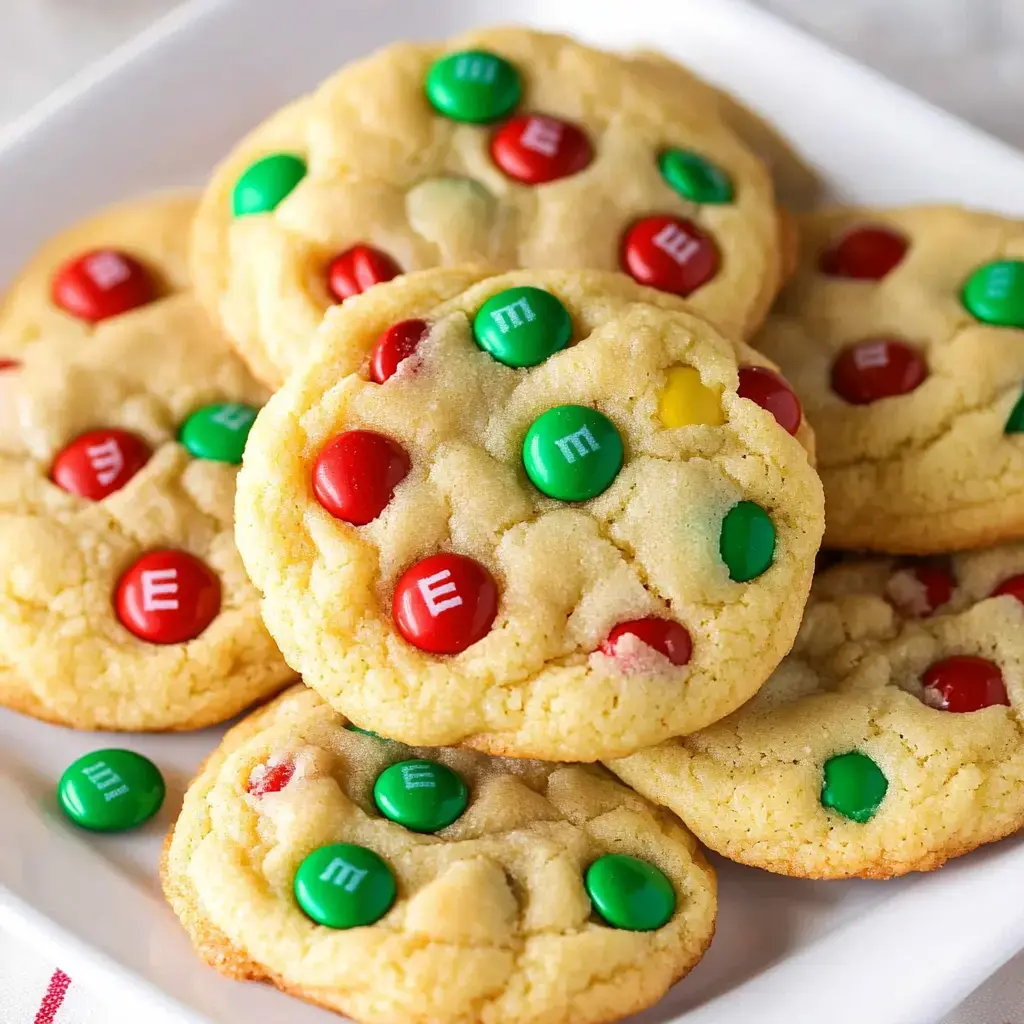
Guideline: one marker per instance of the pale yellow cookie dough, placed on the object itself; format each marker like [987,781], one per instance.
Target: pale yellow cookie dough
[492,922]
[932,470]
[797,184]
[967,578]
[66,656]
[384,169]
[536,685]
[750,787]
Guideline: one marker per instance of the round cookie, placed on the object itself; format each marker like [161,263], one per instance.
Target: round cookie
[124,603]
[504,147]
[903,333]
[501,915]
[589,553]
[889,741]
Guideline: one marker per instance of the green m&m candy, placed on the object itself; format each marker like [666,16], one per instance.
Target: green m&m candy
[344,886]
[747,541]
[1015,421]
[629,893]
[362,732]
[474,86]
[424,796]
[854,786]
[695,178]
[218,432]
[266,183]
[522,326]
[111,790]
[572,453]
[994,293]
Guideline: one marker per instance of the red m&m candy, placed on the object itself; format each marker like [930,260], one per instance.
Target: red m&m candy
[534,149]
[270,777]
[445,603]
[356,474]
[398,342]
[1014,586]
[866,253]
[670,253]
[167,597]
[767,389]
[875,369]
[100,462]
[357,269]
[920,591]
[101,284]
[964,683]
[666,637]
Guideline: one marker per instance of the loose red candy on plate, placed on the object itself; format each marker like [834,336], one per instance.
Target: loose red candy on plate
[964,683]
[535,149]
[670,253]
[876,369]
[666,637]
[102,283]
[100,462]
[270,778]
[357,269]
[356,474]
[1014,586]
[167,597]
[398,342]
[769,390]
[8,364]
[921,591]
[866,253]
[445,603]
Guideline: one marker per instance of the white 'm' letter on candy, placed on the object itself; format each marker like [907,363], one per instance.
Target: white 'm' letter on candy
[106,460]
[430,591]
[676,243]
[581,443]
[340,872]
[157,585]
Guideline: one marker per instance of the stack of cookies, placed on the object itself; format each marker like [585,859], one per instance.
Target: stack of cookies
[528,521]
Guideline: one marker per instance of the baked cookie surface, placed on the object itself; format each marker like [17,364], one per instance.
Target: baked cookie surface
[505,913]
[504,147]
[890,740]
[123,602]
[564,524]
[903,333]
[796,183]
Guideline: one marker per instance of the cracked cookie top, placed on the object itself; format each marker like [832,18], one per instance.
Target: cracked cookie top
[123,602]
[391,883]
[903,334]
[504,147]
[547,514]
[888,741]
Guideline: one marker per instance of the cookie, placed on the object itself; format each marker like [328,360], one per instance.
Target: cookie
[124,604]
[541,513]
[504,147]
[889,741]
[797,185]
[391,883]
[903,334]
[919,588]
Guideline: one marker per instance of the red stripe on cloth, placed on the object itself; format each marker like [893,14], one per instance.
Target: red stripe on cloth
[51,1003]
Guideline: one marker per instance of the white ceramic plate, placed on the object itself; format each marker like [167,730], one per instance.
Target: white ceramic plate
[158,114]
